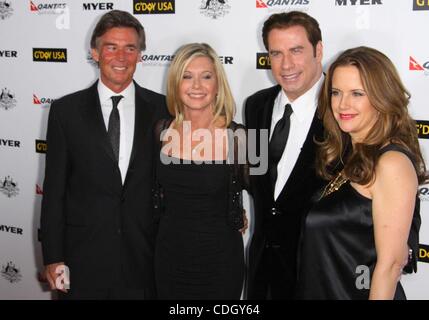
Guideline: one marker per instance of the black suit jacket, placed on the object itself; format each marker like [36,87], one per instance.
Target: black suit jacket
[296,197]
[293,201]
[103,230]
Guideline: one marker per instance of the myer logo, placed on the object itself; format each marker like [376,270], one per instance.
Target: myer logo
[357,2]
[423,253]
[49,55]
[10,143]
[97,6]
[8,54]
[154,7]
[263,60]
[279,3]
[41,146]
[420,5]
[226,59]
[422,129]
[10,229]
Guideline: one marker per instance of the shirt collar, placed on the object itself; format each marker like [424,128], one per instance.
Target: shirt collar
[305,105]
[105,93]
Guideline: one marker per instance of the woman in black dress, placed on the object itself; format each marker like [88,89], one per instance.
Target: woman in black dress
[199,247]
[354,245]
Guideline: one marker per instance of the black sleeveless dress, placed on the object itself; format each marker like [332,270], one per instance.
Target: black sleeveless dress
[198,255]
[338,247]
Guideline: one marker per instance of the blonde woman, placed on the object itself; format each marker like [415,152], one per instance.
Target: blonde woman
[199,248]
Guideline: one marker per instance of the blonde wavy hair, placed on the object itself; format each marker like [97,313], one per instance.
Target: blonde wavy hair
[224,103]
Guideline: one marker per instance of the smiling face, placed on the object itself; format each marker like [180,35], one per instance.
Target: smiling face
[350,104]
[293,63]
[117,54]
[198,86]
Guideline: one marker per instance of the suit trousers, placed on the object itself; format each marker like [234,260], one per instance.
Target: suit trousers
[275,277]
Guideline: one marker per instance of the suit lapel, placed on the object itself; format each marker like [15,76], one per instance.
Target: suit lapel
[142,124]
[264,122]
[91,111]
[305,159]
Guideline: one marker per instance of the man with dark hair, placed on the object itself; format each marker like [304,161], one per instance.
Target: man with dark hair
[285,194]
[96,216]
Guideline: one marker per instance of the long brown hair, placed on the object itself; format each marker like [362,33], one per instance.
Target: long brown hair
[388,96]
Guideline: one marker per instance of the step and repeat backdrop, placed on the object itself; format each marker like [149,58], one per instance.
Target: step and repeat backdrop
[44,54]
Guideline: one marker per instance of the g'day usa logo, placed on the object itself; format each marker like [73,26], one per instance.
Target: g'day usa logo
[214,8]
[50,55]
[9,187]
[154,6]
[6,9]
[276,4]
[416,66]
[7,99]
[420,5]
[10,272]
[423,253]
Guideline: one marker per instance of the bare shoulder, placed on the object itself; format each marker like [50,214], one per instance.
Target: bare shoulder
[395,166]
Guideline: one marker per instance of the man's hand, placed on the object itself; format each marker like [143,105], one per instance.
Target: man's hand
[53,272]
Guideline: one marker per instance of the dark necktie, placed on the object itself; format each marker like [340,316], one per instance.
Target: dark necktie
[278,144]
[114,128]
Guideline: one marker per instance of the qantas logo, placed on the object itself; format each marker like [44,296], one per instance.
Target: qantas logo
[47,7]
[414,65]
[39,190]
[280,3]
[260,4]
[44,102]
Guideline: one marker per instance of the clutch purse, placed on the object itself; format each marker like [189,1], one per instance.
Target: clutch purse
[235,211]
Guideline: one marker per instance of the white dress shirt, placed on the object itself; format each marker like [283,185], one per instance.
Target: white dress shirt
[127,110]
[304,109]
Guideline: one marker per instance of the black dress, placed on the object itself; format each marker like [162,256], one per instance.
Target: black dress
[198,255]
[338,247]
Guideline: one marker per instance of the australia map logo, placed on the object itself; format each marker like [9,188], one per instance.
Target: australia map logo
[6,9]
[215,8]
[9,187]
[7,99]
[10,272]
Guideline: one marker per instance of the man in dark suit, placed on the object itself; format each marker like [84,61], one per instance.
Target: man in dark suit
[97,208]
[284,195]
